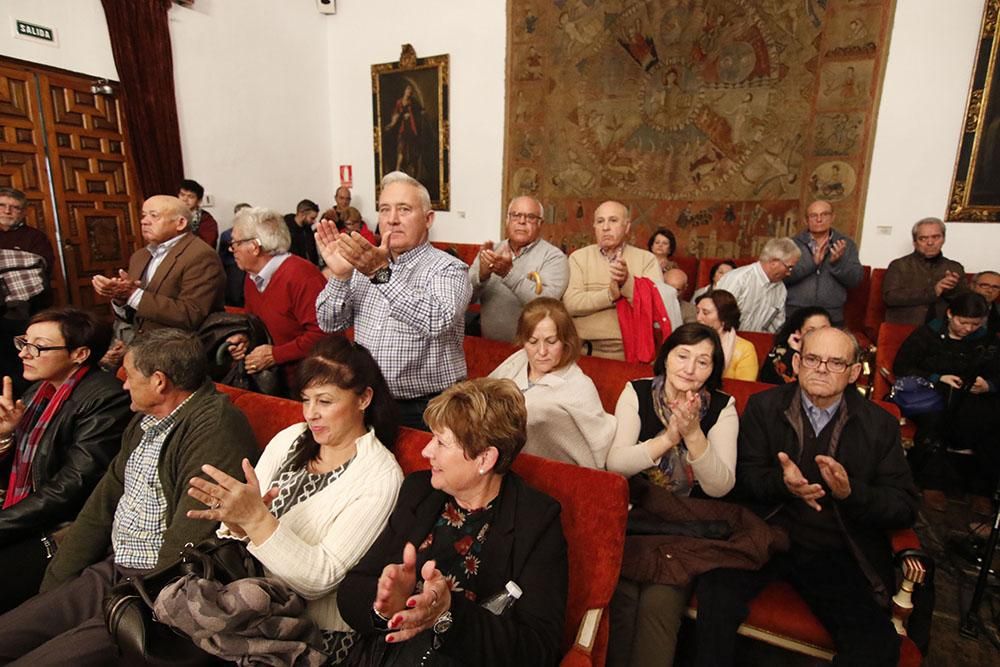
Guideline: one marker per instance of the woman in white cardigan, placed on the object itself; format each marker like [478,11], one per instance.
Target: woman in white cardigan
[322,490]
[566,420]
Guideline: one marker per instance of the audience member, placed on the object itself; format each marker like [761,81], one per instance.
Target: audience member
[678,279]
[203,225]
[827,466]
[354,223]
[521,268]
[136,518]
[234,274]
[418,587]
[715,274]
[718,310]
[342,204]
[566,420]
[987,284]
[173,282]
[777,368]
[758,287]
[55,441]
[681,429]
[334,470]
[405,299]
[828,265]
[663,245]
[300,228]
[600,275]
[915,285]
[963,361]
[280,289]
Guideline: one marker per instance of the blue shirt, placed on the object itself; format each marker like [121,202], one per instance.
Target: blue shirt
[819,417]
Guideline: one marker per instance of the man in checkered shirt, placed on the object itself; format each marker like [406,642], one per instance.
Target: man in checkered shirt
[136,518]
[405,299]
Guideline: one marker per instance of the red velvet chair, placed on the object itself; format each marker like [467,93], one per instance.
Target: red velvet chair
[890,338]
[464,251]
[856,307]
[688,265]
[762,344]
[875,308]
[594,509]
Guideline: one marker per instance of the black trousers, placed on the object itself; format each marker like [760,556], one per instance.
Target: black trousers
[411,411]
[830,582]
[22,566]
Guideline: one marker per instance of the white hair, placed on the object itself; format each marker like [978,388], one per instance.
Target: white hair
[401,177]
[783,248]
[265,225]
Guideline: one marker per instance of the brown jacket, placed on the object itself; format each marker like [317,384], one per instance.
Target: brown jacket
[188,286]
[908,288]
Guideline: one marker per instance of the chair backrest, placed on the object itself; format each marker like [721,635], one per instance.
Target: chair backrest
[856,306]
[875,309]
[594,509]
[482,355]
[762,343]
[267,414]
[464,251]
[688,265]
[890,338]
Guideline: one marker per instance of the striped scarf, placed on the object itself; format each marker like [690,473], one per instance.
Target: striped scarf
[37,416]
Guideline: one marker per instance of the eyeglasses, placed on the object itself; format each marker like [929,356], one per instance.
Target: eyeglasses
[988,286]
[11,207]
[813,361]
[236,244]
[530,218]
[788,267]
[817,216]
[21,343]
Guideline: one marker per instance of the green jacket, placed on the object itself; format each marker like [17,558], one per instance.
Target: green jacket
[209,430]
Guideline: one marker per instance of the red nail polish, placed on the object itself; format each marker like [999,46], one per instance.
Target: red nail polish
[390,639]
[411,603]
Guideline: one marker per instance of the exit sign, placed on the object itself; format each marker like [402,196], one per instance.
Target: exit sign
[26,30]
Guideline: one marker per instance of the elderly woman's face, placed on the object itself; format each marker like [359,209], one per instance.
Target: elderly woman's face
[661,246]
[544,348]
[689,366]
[451,471]
[708,314]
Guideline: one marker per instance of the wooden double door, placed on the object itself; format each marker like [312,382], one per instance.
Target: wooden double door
[66,148]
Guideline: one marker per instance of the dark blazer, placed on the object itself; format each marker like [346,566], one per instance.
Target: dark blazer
[525,544]
[865,441]
[73,454]
[188,285]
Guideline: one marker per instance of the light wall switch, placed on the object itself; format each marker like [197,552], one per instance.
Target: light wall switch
[208,200]
[884,230]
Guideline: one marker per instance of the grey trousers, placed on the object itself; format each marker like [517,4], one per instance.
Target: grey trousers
[64,626]
[645,620]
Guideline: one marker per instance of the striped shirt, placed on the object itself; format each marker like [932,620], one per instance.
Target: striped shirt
[761,302]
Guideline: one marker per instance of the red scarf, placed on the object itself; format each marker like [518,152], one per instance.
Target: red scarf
[636,320]
[37,416]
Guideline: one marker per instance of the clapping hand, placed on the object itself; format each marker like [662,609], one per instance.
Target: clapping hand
[798,485]
[239,505]
[837,250]
[685,413]
[947,282]
[835,476]
[11,411]
[361,254]
[118,289]
[326,242]
[411,613]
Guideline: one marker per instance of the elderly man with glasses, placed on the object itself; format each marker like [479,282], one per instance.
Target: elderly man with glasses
[987,284]
[521,268]
[758,287]
[818,460]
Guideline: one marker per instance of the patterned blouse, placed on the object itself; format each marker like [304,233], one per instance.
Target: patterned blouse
[455,544]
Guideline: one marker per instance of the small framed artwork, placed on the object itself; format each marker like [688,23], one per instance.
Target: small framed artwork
[410,103]
[975,189]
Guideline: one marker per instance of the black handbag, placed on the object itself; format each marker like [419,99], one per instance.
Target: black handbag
[128,606]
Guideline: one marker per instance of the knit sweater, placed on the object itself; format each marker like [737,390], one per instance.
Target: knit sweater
[566,421]
[209,430]
[743,365]
[319,539]
[288,309]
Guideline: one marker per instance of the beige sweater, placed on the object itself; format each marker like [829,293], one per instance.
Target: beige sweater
[587,298]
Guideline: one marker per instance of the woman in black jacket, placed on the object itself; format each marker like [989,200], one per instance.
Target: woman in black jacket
[56,441]
[959,356]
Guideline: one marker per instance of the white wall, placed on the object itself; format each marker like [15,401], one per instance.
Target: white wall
[473,32]
[82,33]
[252,97]
[926,86]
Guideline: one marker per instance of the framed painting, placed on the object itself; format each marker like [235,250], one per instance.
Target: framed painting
[975,189]
[410,104]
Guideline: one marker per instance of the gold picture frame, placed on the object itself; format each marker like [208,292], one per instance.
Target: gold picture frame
[975,189]
[410,104]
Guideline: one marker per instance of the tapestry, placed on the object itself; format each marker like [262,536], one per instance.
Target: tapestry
[719,119]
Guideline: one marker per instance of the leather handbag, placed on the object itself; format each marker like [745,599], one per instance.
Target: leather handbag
[128,607]
[916,395]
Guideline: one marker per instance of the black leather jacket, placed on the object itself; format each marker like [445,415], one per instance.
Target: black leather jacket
[72,456]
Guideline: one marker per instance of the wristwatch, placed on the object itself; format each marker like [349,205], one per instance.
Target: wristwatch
[381,276]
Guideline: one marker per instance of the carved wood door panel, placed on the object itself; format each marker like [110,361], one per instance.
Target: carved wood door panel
[22,155]
[92,182]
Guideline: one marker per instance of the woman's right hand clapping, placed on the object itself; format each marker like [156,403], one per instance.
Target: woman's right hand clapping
[11,411]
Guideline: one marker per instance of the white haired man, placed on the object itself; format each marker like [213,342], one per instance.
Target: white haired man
[758,287]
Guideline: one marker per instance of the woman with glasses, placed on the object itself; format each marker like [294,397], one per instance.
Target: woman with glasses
[56,440]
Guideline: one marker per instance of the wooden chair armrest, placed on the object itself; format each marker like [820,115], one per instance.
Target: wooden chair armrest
[916,566]
[587,633]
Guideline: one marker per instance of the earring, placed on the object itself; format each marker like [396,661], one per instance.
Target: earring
[482,472]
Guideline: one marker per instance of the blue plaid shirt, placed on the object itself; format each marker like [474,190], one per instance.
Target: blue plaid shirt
[413,325]
[140,518]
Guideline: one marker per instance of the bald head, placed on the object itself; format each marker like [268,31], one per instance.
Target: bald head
[163,218]
[677,279]
[611,225]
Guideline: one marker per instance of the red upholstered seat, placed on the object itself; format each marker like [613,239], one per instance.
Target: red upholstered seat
[594,509]
[875,309]
[762,344]
[464,251]
[688,265]
[267,414]
[890,338]
[856,306]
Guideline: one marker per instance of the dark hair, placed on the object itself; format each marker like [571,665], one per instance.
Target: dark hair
[331,214]
[239,207]
[14,193]
[192,186]
[726,307]
[483,413]
[177,354]
[797,321]
[79,328]
[969,304]
[715,269]
[306,205]
[343,363]
[663,231]
[537,310]
[692,334]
